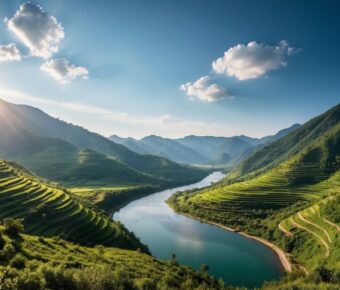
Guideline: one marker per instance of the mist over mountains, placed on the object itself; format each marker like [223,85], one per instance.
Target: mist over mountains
[203,150]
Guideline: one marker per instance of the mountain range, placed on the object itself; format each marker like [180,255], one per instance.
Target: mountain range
[70,154]
[204,150]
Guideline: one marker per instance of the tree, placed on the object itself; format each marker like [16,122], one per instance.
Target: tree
[204,268]
[13,226]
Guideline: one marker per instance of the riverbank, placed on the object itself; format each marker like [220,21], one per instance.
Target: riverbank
[286,265]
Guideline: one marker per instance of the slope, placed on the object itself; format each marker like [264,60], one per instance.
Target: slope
[32,262]
[291,144]
[303,175]
[59,161]
[31,120]
[52,211]
[204,150]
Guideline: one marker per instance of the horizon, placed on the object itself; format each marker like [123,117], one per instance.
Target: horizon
[217,71]
[151,135]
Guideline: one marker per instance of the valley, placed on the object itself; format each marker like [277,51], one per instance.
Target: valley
[273,215]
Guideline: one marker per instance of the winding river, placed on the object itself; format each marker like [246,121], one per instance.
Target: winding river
[239,261]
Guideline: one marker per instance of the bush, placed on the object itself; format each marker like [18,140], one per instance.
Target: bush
[2,242]
[19,262]
[322,274]
[13,226]
[8,251]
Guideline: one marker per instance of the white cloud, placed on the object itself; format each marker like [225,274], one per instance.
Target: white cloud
[64,71]
[40,32]
[9,52]
[205,92]
[252,60]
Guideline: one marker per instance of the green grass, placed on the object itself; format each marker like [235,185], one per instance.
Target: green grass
[110,199]
[277,188]
[57,264]
[52,211]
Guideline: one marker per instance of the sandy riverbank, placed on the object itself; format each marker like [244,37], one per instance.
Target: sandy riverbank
[281,255]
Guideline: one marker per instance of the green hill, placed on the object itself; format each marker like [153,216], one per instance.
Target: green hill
[291,144]
[59,161]
[21,122]
[31,262]
[51,211]
[277,186]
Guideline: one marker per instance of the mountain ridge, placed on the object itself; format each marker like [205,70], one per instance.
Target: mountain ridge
[204,150]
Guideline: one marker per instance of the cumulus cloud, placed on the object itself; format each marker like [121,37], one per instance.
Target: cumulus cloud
[9,52]
[64,71]
[252,60]
[40,32]
[205,92]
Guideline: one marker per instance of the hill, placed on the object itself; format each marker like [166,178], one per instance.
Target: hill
[32,262]
[60,161]
[291,144]
[281,193]
[204,150]
[23,121]
[51,211]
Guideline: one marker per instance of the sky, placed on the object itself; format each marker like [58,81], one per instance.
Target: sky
[172,68]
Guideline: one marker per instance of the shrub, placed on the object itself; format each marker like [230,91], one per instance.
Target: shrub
[19,262]
[13,226]
[2,242]
[8,251]
[322,274]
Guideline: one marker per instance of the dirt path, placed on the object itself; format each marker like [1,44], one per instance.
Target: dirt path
[332,224]
[316,235]
[315,225]
[285,231]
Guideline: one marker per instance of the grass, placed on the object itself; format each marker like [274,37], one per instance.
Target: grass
[286,196]
[59,264]
[52,211]
[110,199]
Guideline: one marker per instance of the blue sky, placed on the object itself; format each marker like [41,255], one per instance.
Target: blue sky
[135,68]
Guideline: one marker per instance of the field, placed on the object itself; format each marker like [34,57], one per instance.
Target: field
[284,204]
[51,211]
[110,199]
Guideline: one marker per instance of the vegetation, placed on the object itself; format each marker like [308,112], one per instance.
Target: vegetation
[288,193]
[110,199]
[30,262]
[51,211]
[52,149]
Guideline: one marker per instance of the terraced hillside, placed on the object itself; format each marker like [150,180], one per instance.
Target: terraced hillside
[319,230]
[50,211]
[31,262]
[274,201]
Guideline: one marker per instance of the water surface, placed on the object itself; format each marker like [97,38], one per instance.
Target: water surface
[237,260]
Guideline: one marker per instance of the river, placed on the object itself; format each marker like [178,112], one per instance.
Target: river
[239,261]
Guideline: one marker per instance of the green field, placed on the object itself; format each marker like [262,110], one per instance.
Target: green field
[52,211]
[289,194]
[110,199]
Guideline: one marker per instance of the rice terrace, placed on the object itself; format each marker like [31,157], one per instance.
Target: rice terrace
[162,145]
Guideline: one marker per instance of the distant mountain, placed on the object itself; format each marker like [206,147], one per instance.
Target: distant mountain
[26,130]
[201,149]
[294,142]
